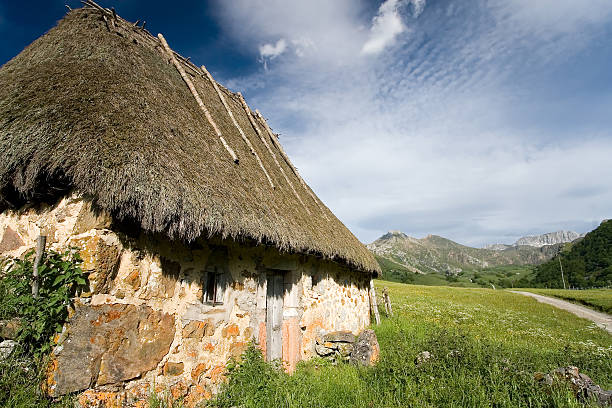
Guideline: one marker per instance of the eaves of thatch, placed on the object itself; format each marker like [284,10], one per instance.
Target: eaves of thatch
[99,106]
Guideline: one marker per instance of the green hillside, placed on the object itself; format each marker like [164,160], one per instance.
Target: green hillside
[505,276]
[587,263]
[435,260]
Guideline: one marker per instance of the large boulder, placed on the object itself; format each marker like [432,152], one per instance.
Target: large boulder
[9,329]
[366,350]
[339,337]
[108,344]
[581,384]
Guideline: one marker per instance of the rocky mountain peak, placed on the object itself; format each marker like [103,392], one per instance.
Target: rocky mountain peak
[392,234]
[551,238]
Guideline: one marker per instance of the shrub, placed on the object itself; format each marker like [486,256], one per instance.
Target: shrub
[60,277]
[251,380]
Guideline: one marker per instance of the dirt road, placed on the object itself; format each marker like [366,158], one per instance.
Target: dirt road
[603,320]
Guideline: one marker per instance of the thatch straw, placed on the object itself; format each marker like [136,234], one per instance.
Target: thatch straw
[102,112]
[195,94]
[231,115]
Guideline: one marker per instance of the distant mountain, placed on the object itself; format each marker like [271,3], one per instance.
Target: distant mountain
[552,238]
[497,247]
[400,254]
[586,263]
[538,241]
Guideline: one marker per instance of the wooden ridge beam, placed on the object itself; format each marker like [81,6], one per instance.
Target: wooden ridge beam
[262,138]
[235,122]
[291,166]
[195,94]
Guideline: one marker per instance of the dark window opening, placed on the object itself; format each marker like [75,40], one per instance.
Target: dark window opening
[315,280]
[215,288]
[216,276]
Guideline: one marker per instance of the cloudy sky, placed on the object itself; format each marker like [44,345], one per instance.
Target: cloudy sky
[479,120]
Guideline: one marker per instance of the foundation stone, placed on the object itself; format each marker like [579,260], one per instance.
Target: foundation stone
[108,344]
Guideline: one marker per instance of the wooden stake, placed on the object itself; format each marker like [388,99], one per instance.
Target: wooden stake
[107,23]
[387,301]
[195,94]
[373,305]
[291,166]
[41,242]
[94,5]
[262,138]
[231,115]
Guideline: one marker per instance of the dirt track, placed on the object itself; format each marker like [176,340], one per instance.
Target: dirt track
[603,320]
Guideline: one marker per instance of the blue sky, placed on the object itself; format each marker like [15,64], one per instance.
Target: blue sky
[480,120]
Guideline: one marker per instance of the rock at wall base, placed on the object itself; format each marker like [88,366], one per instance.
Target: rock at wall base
[344,346]
[366,350]
[108,344]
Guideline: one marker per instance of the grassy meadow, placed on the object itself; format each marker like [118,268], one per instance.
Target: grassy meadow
[598,299]
[486,344]
[502,276]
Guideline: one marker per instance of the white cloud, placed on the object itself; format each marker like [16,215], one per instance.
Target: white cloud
[418,7]
[425,138]
[557,15]
[271,51]
[327,27]
[302,46]
[386,26]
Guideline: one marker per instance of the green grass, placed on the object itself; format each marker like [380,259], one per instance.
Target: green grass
[504,276]
[598,299]
[486,345]
[20,380]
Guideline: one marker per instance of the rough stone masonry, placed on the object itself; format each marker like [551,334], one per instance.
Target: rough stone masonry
[147,320]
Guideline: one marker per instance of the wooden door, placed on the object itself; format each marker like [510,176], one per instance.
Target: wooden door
[274,317]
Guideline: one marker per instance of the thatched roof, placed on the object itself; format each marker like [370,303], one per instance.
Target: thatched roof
[97,107]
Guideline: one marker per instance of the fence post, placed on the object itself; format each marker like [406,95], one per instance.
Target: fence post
[41,242]
[387,301]
[373,304]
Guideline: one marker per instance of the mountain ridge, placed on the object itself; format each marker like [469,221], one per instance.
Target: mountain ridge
[540,240]
[436,254]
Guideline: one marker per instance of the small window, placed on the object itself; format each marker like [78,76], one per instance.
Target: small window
[315,280]
[216,276]
[215,288]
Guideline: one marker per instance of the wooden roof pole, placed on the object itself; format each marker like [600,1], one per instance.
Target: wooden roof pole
[231,115]
[195,94]
[291,166]
[258,131]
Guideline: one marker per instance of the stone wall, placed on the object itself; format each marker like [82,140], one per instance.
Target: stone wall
[145,320]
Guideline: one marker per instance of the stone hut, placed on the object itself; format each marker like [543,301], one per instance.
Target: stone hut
[198,233]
